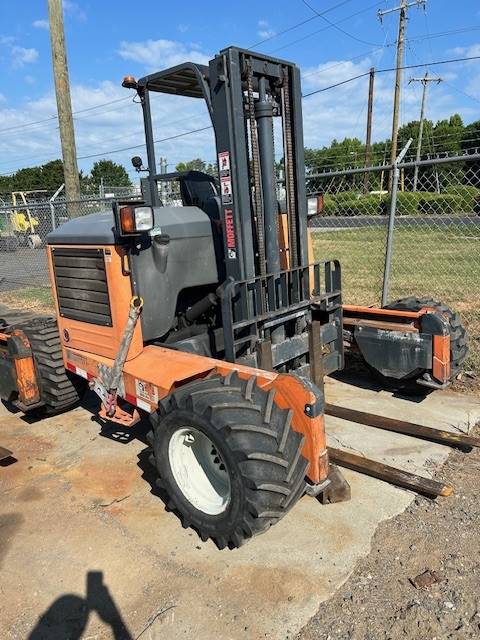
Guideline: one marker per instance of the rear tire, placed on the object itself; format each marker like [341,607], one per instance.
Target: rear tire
[249,436]
[59,389]
[458,344]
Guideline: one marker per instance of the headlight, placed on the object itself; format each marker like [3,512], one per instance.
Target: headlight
[135,220]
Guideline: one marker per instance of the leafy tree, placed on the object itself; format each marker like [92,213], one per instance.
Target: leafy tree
[47,177]
[52,175]
[197,164]
[113,174]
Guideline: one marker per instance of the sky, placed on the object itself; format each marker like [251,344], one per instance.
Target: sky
[108,39]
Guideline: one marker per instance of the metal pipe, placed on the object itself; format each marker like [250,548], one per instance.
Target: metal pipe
[149,143]
[467,157]
[391,224]
[52,207]
[264,117]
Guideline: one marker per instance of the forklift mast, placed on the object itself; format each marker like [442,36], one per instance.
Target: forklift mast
[270,295]
[244,93]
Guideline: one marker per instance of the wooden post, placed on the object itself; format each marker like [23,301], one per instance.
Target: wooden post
[64,106]
[368,141]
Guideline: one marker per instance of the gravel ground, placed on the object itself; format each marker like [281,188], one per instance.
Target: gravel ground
[379,600]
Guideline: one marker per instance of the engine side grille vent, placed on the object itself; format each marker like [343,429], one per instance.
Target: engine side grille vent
[82,288]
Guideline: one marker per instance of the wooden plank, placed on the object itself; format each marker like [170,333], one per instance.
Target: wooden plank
[316,354]
[389,474]
[401,426]
[377,311]
[378,324]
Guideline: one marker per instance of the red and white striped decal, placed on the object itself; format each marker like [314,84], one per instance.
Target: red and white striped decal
[80,372]
[137,402]
[141,404]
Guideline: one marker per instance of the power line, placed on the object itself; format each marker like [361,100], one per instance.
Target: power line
[408,66]
[387,45]
[353,15]
[298,24]
[335,26]
[138,146]
[55,117]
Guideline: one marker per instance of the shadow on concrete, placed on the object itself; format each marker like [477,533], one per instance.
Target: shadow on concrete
[67,616]
[358,375]
[11,408]
[123,435]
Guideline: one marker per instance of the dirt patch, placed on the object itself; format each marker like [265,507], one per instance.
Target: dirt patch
[380,601]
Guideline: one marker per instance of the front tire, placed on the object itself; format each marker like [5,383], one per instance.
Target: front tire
[241,469]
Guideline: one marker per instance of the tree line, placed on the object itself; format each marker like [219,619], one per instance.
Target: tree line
[49,177]
[450,135]
[444,136]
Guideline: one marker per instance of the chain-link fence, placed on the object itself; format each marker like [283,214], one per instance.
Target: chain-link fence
[23,231]
[435,243]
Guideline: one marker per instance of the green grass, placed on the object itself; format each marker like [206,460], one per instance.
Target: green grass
[33,298]
[440,262]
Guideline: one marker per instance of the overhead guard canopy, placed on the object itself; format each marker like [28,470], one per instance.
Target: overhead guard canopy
[188,79]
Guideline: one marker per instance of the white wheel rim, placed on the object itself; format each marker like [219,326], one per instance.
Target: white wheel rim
[199,470]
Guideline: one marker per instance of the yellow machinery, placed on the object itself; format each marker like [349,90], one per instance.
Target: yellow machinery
[24,225]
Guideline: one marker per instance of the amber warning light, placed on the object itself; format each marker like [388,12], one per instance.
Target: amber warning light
[129,82]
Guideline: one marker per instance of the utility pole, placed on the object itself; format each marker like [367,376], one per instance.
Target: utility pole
[64,104]
[402,9]
[425,80]
[368,141]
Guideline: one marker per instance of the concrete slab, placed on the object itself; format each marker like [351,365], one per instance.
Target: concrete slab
[86,547]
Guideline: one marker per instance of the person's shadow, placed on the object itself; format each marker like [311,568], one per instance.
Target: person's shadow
[67,617]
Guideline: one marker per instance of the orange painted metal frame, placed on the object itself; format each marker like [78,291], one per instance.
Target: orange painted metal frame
[92,338]
[441,369]
[152,372]
[441,365]
[25,373]
[158,371]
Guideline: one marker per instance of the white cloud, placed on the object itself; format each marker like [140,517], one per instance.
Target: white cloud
[264,29]
[19,56]
[341,111]
[108,128]
[337,113]
[159,54]
[468,52]
[22,56]
[40,24]
[74,9]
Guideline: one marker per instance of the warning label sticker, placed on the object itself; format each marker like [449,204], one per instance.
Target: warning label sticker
[226,188]
[224,163]
[146,391]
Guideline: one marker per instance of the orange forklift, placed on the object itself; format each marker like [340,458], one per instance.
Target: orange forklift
[213,318]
